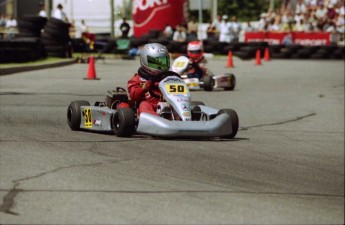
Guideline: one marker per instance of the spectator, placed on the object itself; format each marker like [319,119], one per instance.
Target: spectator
[321,12]
[249,27]
[340,28]
[72,29]
[301,7]
[83,27]
[88,38]
[11,26]
[331,13]
[2,26]
[263,21]
[193,29]
[235,29]
[274,25]
[124,27]
[168,31]
[180,34]
[225,27]
[289,26]
[42,11]
[60,14]
[211,31]
[287,40]
[216,23]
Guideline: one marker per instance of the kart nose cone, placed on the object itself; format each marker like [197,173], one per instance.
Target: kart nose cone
[160,127]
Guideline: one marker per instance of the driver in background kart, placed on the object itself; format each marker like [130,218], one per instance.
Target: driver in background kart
[154,59]
[197,61]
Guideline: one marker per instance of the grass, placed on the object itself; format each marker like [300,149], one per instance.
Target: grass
[44,61]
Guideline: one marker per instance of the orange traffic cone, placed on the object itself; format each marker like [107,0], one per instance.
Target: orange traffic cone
[267,54]
[258,57]
[230,63]
[91,74]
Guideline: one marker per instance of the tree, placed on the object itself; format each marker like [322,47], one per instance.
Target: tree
[244,10]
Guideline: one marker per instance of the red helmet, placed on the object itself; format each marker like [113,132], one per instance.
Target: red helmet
[195,50]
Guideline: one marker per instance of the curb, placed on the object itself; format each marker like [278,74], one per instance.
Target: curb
[11,70]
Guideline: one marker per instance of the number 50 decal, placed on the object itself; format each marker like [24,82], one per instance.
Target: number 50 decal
[87,117]
[176,88]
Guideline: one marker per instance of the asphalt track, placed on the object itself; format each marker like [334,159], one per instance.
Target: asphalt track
[285,166]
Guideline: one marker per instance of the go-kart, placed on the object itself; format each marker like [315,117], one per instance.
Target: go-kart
[208,81]
[185,118]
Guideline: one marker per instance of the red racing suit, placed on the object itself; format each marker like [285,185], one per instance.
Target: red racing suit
[148,103]
[197,68]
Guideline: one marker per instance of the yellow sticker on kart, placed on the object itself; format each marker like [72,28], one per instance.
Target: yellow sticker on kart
[192,84]
[180,64]
[176,89]
[87,118]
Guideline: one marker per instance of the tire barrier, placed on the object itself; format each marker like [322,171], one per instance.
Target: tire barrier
[248,50]
[31,26]
[21,50]
[56,40]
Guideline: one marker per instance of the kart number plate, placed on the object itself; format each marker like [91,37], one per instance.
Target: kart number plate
[87,118]
[176,88]
[180,64]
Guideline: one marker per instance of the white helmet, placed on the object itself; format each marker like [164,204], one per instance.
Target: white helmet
[154,59]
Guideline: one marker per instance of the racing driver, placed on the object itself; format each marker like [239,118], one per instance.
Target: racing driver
[154,59]
[197,61]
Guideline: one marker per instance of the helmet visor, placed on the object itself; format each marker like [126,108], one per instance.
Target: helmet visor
[195,51]
[159,63]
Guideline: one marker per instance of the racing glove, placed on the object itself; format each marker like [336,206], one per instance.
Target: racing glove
[147,85]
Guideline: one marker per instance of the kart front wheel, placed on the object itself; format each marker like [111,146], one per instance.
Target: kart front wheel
[208,83]
[234,122]
[232,81]
[123,122]
[74,114]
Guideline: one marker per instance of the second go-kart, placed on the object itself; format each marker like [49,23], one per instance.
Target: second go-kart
[208,81]
[184,118]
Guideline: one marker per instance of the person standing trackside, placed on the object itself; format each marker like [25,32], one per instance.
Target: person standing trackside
[179,35]
[124,27]
[60,14]
[11,26]
[225,27]
[42,12]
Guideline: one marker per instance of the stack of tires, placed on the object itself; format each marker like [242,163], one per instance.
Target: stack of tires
[21,50]
[55,38]
[27,45]
[31,26]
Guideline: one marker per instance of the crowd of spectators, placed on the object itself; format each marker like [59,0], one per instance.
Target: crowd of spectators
[8,27]
[305,16]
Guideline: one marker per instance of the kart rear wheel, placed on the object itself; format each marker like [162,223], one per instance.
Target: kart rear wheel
[232,82]
[208,83]
[234,121]
[74,114]
[123,122]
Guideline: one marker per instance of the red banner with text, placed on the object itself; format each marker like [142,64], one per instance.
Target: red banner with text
[302,38]
[156,14]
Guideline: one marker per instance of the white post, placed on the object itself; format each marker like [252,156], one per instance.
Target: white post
[215,9]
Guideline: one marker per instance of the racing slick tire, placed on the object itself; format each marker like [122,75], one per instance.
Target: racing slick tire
[74,114]
[234,122]
[232,82]
[208,83]
[123,122]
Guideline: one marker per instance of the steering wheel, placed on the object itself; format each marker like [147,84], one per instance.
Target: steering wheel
[160,77]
